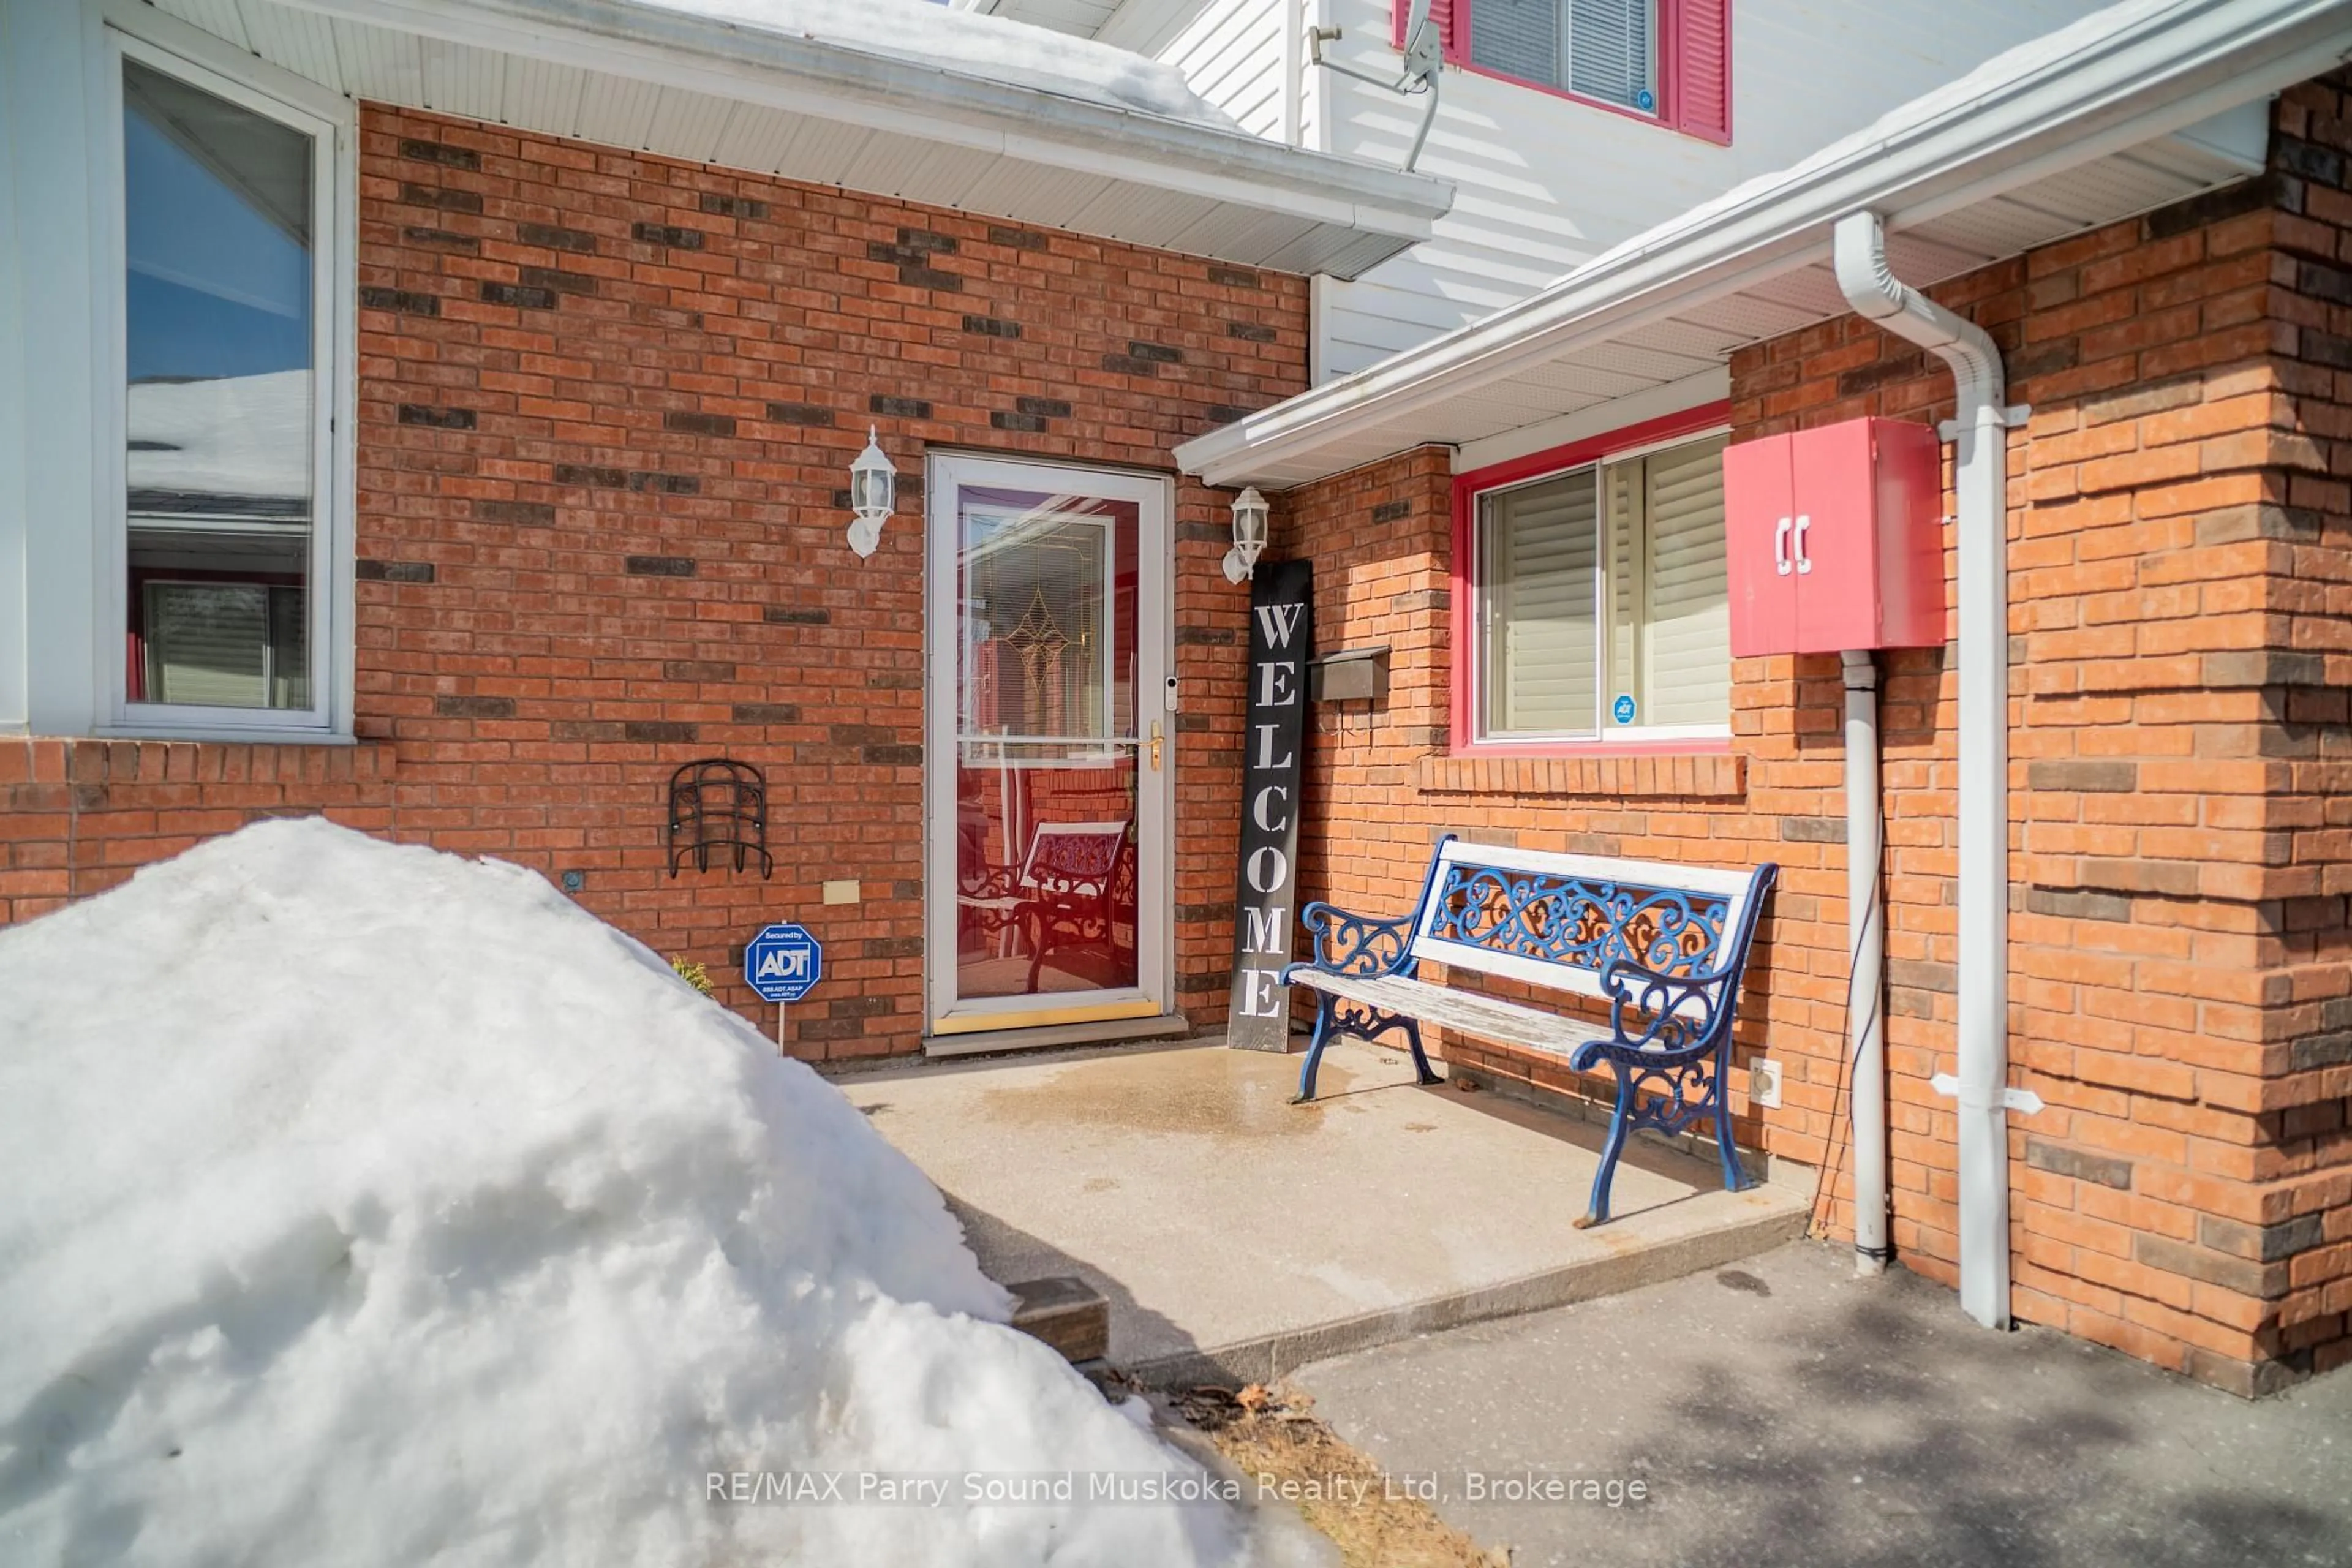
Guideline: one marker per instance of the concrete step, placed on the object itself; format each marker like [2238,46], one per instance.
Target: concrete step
[1239,1235]
[1067,1313]
[1740,1227]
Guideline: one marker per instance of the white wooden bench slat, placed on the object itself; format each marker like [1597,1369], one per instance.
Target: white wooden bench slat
[1488,1017]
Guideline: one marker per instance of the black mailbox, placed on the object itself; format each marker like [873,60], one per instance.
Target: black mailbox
[1351,675]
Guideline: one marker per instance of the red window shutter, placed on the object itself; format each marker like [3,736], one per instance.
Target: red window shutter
[1442,13]
[1698,66]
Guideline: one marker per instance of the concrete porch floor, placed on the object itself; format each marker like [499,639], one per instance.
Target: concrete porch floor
[1237,1237]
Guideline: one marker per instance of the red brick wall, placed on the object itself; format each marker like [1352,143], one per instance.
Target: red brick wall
[2180,580]
[608,404]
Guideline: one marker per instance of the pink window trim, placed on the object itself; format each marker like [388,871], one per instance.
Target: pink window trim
[1694,747]
[1674,89]
[1464,730]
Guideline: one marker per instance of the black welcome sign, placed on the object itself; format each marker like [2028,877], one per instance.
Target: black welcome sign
[1281,641]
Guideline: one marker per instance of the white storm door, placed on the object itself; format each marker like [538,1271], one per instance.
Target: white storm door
[1048,748]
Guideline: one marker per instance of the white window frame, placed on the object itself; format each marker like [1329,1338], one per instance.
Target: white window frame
[1605,733]
[126,33]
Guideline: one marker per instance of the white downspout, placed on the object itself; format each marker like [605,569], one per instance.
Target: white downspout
[1979,433]
[1865,927]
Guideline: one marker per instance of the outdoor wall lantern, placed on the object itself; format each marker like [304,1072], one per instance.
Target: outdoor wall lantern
[873,487]
[1249,535]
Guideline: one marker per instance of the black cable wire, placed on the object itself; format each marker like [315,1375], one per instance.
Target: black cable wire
[1831,1153]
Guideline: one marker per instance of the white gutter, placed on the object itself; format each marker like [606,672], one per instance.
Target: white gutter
[837,81]
[2111,82]
[1865,926]
[1981,435]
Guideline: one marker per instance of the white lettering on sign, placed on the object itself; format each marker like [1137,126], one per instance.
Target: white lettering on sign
[1278,621]
[1258,993]
[1277,682]
[1269,929]
[1281,642]
[779,963]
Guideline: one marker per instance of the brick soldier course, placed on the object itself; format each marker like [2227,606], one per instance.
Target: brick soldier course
[2181,593]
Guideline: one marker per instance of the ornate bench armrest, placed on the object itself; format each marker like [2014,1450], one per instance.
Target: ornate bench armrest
[1674,1026]
[1353,944]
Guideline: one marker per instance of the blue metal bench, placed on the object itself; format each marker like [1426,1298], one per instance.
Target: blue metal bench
[1664,945]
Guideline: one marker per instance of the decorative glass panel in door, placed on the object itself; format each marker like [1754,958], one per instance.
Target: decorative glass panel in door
[1047,751]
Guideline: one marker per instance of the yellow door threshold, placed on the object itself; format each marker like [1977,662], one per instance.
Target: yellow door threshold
[1100,1031]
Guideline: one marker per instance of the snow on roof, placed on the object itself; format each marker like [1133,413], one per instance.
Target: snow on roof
[993,49]
[1996,77]
[371,1205]
[235,436]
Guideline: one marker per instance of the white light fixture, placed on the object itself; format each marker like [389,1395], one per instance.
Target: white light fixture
[1249,535]
[873,488]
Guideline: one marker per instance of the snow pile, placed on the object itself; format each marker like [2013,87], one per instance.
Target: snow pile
[370,1206]
[966,43]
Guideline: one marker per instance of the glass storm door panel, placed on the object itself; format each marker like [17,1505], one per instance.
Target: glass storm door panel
[1048,752]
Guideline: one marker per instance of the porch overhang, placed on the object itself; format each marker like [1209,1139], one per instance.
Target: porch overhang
[2138,107]
[696,85]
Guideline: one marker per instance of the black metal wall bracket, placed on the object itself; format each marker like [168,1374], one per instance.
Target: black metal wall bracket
[718,804]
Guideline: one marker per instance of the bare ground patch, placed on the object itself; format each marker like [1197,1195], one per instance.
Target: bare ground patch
[1274,1433]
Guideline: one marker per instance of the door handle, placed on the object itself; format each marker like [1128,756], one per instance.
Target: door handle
[1780,548]
[1157,740]
[1804,561]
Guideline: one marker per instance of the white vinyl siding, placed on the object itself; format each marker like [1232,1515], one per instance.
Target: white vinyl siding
[1605,586]
[1232,54]
[1545,182]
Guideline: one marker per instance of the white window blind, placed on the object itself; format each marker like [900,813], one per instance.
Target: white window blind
[1518,37]
[1611,49]
[1686,670]
[1542,600]
[1602,585]
[227,645]
[1603,48]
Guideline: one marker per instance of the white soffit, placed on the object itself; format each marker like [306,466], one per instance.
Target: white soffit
[1143,26]
[2145,104]
[1080,18]
[703,91]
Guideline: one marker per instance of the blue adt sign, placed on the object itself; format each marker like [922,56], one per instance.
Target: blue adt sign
[784,962]
[1623,708]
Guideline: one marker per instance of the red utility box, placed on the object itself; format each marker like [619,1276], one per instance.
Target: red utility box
[1835,539]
